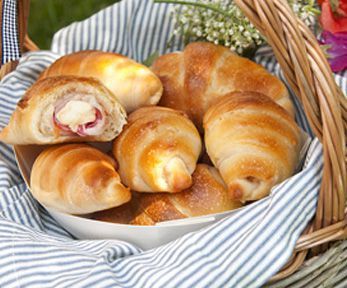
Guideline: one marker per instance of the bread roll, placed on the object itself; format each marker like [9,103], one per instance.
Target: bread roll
[197,77]
[77,179]
[133,84]
[157,150]
[207,195]
[123,214]
[65,108]
[253,142]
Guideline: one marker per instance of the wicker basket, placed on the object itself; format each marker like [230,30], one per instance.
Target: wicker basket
[308,73]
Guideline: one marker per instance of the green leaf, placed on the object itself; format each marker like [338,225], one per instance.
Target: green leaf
[151,58]
[334,4]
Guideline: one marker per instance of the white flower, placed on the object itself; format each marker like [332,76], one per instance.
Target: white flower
[296,7]
[247,34]
[233,30]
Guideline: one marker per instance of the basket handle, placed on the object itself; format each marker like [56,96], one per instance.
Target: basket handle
[309,75]
[24,42]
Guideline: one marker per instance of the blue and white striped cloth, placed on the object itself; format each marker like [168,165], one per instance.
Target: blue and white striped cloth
[243,250]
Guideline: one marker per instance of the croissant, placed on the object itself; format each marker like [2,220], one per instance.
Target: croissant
[65,108]
[207,195]
[77,179]
[253,142]
[123,214]
[197,77]
[157,151]
[133,84]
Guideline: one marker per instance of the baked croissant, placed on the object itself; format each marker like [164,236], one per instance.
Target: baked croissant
[133,84]
[77,179]
[65,108]
[253,142]
[197,77]
[207,195]
[123,214]
[157,151]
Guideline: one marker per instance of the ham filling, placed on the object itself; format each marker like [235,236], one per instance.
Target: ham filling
[79,117]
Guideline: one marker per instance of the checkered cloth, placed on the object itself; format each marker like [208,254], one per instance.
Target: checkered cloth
[9,31]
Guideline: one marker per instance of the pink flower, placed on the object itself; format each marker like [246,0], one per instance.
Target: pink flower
[334,15]
[337,49]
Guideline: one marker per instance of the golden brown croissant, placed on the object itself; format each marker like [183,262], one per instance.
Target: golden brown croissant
[157,150]
[77,179]
[253,142]
[65,108]
[133,84]
[195,78]
[123,214]
[207,195]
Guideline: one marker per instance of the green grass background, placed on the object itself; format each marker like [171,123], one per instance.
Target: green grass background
[48,16]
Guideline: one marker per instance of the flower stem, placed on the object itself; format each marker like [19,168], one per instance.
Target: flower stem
[197,4]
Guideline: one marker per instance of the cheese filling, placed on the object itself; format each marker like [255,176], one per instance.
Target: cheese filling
[82,117]
[76,113]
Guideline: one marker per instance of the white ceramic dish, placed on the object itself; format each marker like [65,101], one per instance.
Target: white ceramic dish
[145,237]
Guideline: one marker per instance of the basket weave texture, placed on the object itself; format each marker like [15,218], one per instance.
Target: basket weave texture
[309,75]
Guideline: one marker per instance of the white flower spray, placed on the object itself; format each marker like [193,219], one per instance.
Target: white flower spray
[222,22]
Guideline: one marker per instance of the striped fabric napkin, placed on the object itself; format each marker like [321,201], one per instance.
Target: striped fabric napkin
[242,250]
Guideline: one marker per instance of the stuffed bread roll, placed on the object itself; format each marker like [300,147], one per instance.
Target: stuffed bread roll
[134,85]
[207,195]
[197,77]
[253,142]
[65,108]
[77,179]
[158,150]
